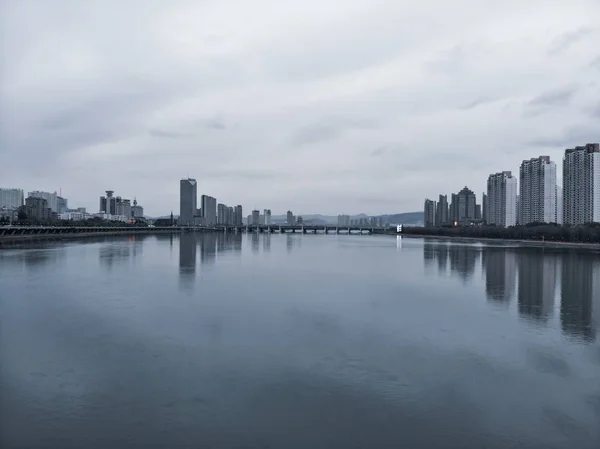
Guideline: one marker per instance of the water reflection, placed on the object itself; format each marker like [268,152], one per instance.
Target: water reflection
[463,260]
[187,259]
[255,242]
[267,243]
[580,294]
[210,244]
[537,283]
[500,269]
[120,251]
[535,276]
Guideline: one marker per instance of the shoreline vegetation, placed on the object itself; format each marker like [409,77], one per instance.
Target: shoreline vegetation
[540,234]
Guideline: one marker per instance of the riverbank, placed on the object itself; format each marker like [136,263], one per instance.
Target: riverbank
[506,242]
[6,240]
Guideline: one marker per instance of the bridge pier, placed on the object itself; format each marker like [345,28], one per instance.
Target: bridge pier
[303,230]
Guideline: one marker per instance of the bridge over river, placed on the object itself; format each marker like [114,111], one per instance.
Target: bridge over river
[19,233]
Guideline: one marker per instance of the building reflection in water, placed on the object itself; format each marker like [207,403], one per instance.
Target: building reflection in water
[463,260]
[537,283]
[429,249]
[187,259]
[121,250]
[210,244]
[255,242]
[500,269]
[580,295]
[266,242]
[289,243]
[437,253]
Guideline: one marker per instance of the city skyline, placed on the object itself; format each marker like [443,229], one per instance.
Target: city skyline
[325,126]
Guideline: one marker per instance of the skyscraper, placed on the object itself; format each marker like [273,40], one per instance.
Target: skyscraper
[429,214]
[221,214]
[267,216]
[209,210]
[502,199]
[238,215]
[484,207]
[537,191]
[581,185]
[290,218]
[462,209]
[11,198]
[559,205]
[255,217]
[108,203]
[188,191]
[441,212]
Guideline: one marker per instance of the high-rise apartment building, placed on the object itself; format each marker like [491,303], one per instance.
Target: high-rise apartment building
[502,199]
[123,207]
[537,191]
[581,185]
[559,205]
[230,215]
[209,210]
[255,217]
[462,208]
[343,220]
[188,201]
[429,214]
[222,214]
[238,215]
[441,212]
[484,207]
[11,198]
[50,197]
[267,216]
[290,220]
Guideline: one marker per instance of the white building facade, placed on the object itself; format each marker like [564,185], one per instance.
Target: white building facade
[501,201]
[11,198]
[581,185]
[537,191]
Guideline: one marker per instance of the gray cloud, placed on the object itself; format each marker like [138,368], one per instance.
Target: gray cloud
[569,137]
[300,95]
[167,134]
[567,40]
[329,129]
[558,97]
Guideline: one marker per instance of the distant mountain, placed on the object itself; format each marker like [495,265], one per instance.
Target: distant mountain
[406,218]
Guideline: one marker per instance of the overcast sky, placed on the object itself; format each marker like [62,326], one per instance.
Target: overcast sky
[316,106]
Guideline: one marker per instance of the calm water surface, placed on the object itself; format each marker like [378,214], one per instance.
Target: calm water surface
[291,341]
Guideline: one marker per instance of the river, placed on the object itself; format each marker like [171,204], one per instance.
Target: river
[298,341]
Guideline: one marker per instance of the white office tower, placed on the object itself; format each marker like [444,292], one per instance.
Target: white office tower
[502,199]
[581,185]
[11,198]
[537,192]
